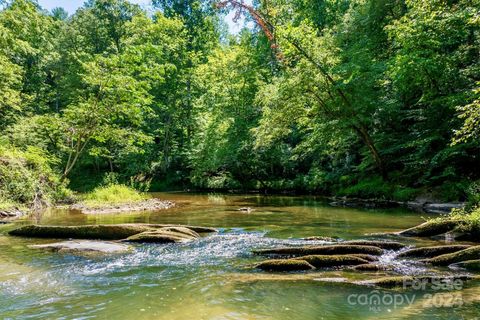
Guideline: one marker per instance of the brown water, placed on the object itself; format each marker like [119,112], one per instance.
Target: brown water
[211,278]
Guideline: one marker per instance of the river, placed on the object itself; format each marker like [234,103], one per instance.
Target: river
[211,278]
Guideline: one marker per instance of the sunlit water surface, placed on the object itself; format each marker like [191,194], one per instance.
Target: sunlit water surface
[211,278]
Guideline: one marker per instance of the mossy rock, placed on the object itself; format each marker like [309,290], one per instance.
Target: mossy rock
[472,265]
[284,265]
[429,252]
[321,238]
[182,230]
[160,236]
[323,250]
[94,232]
[107,232]
[197,229]
[387,245]
[327,261]
[430,228]
[472,253]
[373,267]
[367,257]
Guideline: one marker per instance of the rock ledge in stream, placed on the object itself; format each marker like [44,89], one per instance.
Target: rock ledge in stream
[322,250]
[170,233]
[284,265]
[145,205]
[10,214]
[84,246]
[472,253]
[430,252]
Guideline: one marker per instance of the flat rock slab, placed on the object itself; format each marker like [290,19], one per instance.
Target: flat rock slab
[84,246]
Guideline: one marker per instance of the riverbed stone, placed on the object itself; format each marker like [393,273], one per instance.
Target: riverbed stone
[430,228]
[471,265]
[373,267]
[104,232]
[160,236]
[284,265]
[406,282]
[323,250]
[387,245]
[84,246]
[430,252]
[472,253]
[328,261]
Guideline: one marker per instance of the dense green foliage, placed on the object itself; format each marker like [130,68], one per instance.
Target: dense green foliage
[367,98]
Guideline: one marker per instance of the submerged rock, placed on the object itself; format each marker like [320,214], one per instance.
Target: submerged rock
[416,282]
[284,265]
[323,250]
[387,245]
[472,265]
[430,228]
[10,214]
[326,261]
[429,252]
[84,246]
[472,253]
[371,267]
[321,238]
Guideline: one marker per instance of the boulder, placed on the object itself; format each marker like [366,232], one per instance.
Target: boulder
[323,250]
[84,246]
[430,228]
[326,261]
[472,253]
[284,265]
[387,245]
[429,252]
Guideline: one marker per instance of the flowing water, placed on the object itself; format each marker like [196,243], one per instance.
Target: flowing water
[211,278]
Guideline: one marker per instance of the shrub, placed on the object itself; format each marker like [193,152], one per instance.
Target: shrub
[112,194]
[369,188]
[27,177]
[405,194]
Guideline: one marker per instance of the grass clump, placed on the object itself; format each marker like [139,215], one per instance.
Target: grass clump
[112,194]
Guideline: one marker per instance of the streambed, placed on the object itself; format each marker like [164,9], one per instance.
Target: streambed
[210,278]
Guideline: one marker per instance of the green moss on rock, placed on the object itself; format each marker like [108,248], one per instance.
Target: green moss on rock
[472,253]
[96,232]
[284,265]
[160,236]
[326,261]
[429,252]
[387,245]
[323,250]
[430,228]
[472,265]
[370,267]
